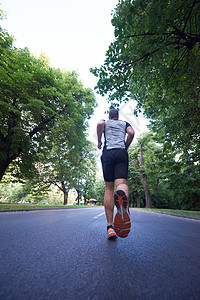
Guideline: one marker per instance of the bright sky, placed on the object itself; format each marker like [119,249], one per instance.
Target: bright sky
[75,35]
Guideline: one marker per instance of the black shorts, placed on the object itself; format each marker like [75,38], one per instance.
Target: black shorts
[114,164]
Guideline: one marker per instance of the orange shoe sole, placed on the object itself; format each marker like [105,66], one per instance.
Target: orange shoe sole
[122,222]
[112,236]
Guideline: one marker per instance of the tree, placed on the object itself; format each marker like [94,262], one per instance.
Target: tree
[154,59]
[136,190]
[142,166]
[68,163]
[67,173]
[85,171]
[36,100]
[171,183]
[143,176]
[99,190]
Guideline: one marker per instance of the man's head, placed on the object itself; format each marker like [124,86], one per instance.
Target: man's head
[113,114]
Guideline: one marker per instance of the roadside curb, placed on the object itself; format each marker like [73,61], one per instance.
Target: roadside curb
[170,214]
[65,208]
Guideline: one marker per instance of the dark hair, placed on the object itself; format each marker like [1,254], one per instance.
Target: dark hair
[113,114]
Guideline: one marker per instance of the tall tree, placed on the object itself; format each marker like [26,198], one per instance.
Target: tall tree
[154,59]
[171,183]
[136,189]
[85,175]
[99,190]
[34,101]
[143,176]
[69,168]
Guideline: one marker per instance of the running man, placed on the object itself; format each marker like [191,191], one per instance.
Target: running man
[118,136]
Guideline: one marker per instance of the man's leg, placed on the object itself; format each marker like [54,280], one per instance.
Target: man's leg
[121,184]
[109,201]
[122,222]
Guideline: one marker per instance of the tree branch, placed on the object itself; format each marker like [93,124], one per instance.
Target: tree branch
[136,162]
[149,53]
[141,155]
[55,183]
[177,63]
[40,126]
[190,12]
[150,34]
[175,32]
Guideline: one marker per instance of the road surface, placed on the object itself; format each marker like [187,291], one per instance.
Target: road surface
[65,254]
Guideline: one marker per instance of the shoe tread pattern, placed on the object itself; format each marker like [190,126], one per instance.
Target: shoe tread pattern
[122,222]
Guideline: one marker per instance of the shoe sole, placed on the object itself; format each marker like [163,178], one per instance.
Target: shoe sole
[112,236]
[122,222]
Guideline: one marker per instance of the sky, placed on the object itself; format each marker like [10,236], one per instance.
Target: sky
[74,35]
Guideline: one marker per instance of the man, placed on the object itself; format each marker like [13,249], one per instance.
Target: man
[118,136]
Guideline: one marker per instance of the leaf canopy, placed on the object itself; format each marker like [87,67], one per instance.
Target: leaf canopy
[155,60]
[37,103]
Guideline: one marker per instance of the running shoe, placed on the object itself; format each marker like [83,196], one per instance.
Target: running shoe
[122,222]
[111,234]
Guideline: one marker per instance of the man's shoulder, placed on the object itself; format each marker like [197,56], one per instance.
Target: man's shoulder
[127,124]
[112,121]
[101,121]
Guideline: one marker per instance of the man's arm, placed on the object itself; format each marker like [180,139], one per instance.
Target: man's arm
[100,129]
[130,135]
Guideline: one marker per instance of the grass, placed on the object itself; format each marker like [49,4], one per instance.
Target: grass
[35,206]
[174,211]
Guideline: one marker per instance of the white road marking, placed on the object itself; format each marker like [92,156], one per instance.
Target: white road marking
[97,216]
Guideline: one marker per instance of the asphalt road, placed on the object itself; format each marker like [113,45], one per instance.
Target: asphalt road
[65,254]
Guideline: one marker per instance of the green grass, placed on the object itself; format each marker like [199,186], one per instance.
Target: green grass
[35,206]
[174,211]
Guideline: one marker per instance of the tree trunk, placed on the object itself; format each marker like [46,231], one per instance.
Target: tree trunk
[133,201]
[146,190]
[65,193]
[78,197]
[143,177]
[137,200]
[65,198]
[85,202]
[3,166]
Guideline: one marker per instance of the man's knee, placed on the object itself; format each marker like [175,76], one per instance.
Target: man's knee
[121,184]
[109,185]
[120,181]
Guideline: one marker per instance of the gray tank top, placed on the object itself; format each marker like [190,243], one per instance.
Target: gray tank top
[115,133]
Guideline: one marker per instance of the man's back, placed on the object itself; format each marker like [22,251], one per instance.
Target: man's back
[114,133]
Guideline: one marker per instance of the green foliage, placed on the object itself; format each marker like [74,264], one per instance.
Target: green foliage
[99,190]
[172,185]
[67,164]
[154,59]
[39,106]
[85,172]
[44,116]
[29,191]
